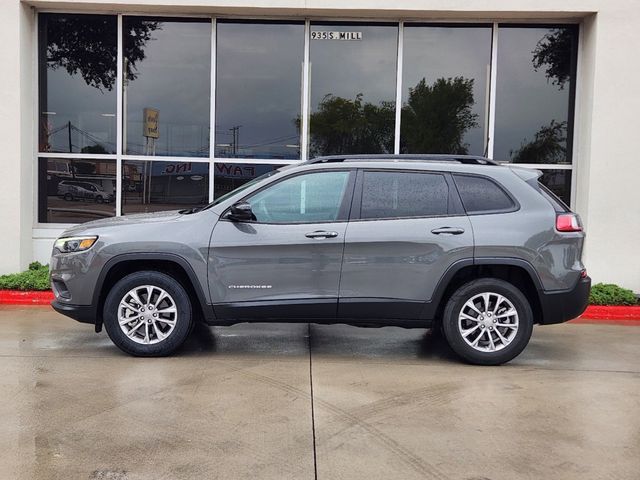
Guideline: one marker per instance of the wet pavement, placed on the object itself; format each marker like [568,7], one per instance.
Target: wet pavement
[287,401]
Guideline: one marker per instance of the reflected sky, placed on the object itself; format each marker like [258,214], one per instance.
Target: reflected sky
[526,100]
[174,78]
[347,68]
[258,89]
[77,114]
[432,52]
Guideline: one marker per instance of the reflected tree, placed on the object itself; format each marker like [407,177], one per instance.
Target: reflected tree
[436,117]
[87,45]
[553,54]
[345,126]
[548,146]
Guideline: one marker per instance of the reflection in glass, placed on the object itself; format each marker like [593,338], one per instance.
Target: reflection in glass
[167,65]
[535,89]
[445,89]
[229,176]
[75,190]
[77,73]
[353,82]
[258,89]
[152,186]
[559,182]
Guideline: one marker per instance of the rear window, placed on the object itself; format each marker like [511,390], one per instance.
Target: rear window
[482,195]
[404,194]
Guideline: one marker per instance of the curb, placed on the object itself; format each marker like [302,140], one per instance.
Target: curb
[17,297]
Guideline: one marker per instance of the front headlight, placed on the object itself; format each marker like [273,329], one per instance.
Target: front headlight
[74,244]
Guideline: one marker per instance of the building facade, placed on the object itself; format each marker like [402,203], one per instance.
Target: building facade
[112,108]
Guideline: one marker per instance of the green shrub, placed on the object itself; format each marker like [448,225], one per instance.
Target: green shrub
[35,278]
[611,294]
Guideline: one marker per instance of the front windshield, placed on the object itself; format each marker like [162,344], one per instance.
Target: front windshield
[241,188]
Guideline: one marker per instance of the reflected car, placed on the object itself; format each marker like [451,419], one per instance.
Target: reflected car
[478,250]
[80,190]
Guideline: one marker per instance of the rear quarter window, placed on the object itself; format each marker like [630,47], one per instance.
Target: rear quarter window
[482,195]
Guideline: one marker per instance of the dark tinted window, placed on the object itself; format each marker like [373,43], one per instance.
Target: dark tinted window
[444,89]
[77,69]
[353,88]
[534,94]
[558,183]
[480,194]
[259,75]
[404,194]
[90,196]
[167,66]
[155,186]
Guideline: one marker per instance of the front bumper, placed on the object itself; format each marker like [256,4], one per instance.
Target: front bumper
[558,307]
[81,313]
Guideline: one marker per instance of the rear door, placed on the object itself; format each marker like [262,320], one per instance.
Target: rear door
[406,228]
[286,263]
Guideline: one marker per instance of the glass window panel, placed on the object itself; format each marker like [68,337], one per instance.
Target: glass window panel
[311,198]
[230,176]
[353,88]
[445,89]
[75,190]
[152,186]
[481,195]
[258,89]
[534,98]
[77,75]
[167,64]
[404,194]
[559,182]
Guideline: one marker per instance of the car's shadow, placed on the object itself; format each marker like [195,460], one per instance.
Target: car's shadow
[296,339]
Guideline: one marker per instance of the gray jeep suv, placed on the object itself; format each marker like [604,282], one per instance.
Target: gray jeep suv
[480,250]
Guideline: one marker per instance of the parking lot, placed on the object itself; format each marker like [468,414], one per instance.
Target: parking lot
[298,401]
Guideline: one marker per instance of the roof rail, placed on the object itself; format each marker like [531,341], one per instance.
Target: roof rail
[466,159]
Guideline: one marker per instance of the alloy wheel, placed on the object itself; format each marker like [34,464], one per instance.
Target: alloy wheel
[488,322]
[147,314]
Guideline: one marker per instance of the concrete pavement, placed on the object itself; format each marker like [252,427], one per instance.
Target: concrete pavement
[387,404]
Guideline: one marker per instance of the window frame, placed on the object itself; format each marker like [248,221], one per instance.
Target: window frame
[455,208]
[343,211]
[43,230]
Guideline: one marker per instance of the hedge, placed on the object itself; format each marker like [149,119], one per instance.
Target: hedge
[611,294]
[35,278]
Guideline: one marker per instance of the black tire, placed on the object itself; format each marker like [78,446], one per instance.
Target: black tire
[183,317]
[99,199]
[455,305]
[68,197]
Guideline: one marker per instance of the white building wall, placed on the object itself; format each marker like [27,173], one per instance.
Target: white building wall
[607,108]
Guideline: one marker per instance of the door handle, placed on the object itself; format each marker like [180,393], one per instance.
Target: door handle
[321,234]
[448,230]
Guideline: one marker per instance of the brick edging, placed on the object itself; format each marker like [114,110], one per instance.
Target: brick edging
[593,312]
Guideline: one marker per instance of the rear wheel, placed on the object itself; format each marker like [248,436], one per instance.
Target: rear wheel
[68,197]
[148,314]
[488,321]
[99,199]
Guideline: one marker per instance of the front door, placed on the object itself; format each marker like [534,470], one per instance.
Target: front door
[407,228]
[286,263]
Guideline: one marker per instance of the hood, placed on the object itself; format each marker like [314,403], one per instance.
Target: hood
[136,219]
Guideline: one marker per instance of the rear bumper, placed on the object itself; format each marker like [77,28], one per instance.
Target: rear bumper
[81,313]
[558,307]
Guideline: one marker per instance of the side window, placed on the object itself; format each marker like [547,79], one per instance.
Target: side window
[309,198]
[404,194]
[481,195]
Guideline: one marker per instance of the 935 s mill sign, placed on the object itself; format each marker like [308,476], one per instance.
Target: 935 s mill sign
[336,35]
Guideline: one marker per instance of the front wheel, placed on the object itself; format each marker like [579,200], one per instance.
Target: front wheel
[148,314]
[488,321]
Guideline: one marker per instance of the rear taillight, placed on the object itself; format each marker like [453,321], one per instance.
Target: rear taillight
[568,222]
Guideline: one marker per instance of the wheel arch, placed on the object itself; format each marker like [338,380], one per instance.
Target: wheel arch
[171,264]
[518,272]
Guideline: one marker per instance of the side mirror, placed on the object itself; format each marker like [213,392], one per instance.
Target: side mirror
[241,212]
